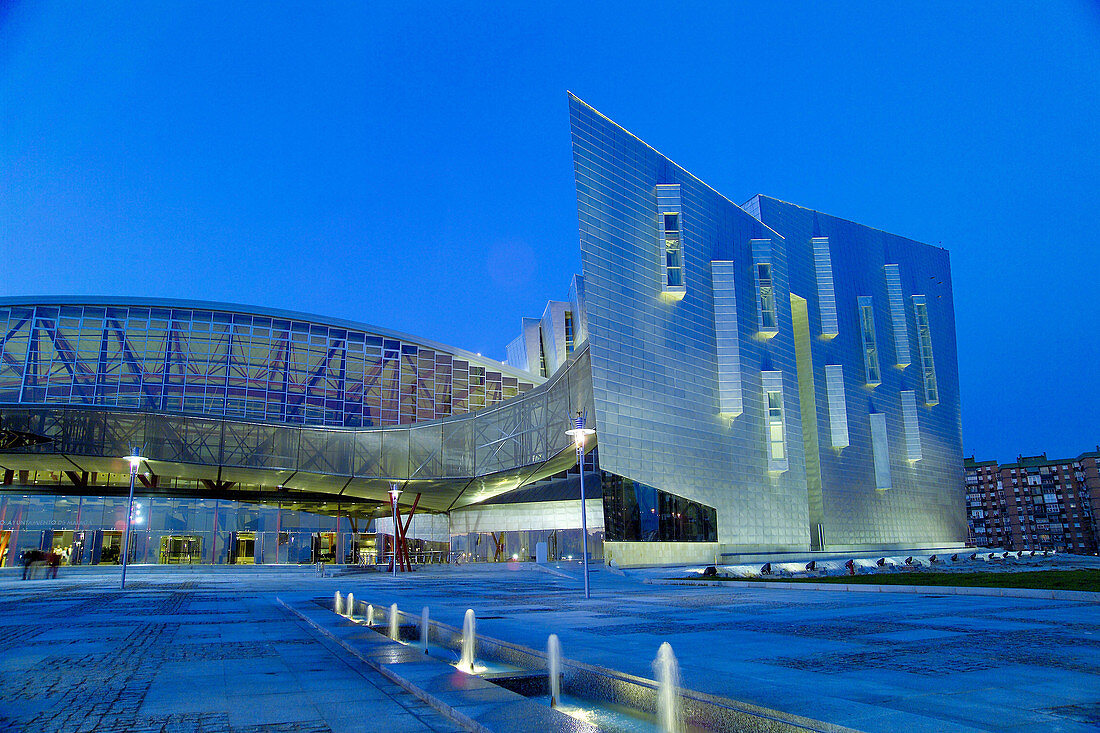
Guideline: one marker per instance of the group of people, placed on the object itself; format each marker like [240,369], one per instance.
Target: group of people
[35,561]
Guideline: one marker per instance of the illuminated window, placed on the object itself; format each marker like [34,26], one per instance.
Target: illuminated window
[774,425]
[870,348]
[674,268]
[568,332]
[670,227]
[767,296]
[767,319]
[776,442]
[542,356]
[924,339]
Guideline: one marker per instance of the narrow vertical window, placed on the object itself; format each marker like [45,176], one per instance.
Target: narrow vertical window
[870,346]
[838,406]
[670,231]
[767,317]
[924,339]
[897,315]
[826,296]
[880,450]
[776,440]
[774,423]
[568,332]
[674,268]
[912,427]
[542,356]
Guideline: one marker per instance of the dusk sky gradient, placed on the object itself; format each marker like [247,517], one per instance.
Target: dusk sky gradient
[410,166]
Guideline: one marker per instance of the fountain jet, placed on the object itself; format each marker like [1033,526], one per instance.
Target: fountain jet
[668,689]
[370,615]
[338,604]
[349,608]
[395,624]
[553,660]
[424,629]
[469,623]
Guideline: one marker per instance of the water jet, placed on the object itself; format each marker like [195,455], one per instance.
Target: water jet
[469,624]
[553,661]
[668,689]
[395,624]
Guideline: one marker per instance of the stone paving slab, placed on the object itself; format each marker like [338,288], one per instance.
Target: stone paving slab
[77,654]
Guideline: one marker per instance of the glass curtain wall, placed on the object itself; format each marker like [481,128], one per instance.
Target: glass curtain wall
[88,530]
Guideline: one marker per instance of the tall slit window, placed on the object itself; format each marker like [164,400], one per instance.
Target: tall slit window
[568,332]
[674,267]
[776,444]
[763,273]
[767,296]
[870,346]
[670,230]
[924,338]
[774,423]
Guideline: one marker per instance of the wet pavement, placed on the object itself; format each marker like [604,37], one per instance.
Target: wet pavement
[212,650]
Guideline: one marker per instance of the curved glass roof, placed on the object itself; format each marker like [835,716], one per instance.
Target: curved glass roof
[224,360]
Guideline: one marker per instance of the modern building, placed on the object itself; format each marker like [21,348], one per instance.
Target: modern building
[762,378]
[1035,503]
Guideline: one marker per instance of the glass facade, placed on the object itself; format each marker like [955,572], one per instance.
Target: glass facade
[199,360]
[634,512]
[88,530]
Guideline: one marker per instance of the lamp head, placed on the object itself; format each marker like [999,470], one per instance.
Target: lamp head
[134,460]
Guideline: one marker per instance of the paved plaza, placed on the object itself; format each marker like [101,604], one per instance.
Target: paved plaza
[213,650]
[183,651]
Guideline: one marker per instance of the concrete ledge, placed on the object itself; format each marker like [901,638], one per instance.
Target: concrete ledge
[943,590]
[456,695]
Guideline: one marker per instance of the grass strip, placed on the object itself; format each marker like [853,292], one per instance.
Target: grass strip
[1088,580]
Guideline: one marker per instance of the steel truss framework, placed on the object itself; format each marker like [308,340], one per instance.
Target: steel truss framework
[204,361]
[456,461]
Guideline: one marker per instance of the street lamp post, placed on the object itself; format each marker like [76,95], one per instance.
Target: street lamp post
[579,433]
[135,461]
[394,493]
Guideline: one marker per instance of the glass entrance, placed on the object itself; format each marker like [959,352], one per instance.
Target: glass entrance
[180,549]
[324,547]
[242,548]
[110,551]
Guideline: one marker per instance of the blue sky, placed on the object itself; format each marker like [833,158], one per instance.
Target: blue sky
[409,166]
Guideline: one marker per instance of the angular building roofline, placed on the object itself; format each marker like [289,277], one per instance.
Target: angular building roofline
[670,160]
[841,218]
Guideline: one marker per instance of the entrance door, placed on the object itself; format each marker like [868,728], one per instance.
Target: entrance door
[324,547]
[110,552]
[242,548]
[180,549]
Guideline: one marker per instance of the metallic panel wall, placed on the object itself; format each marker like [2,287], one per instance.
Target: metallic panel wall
[654,361]
[925,503]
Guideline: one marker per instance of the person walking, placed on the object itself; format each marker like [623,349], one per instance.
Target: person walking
[53,562]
